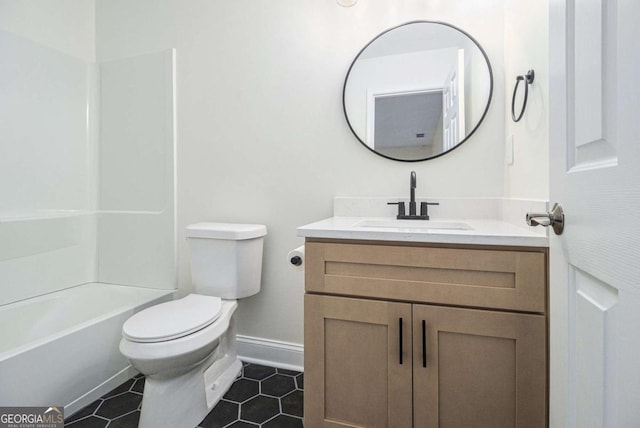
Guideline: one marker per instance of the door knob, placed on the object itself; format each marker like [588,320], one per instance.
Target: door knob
[554,218]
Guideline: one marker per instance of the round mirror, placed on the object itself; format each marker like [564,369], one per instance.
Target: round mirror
[417,91]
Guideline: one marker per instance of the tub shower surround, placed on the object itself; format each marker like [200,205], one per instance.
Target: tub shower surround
[87,216]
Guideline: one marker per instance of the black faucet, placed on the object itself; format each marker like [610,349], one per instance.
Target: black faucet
[412,193]
[424,206]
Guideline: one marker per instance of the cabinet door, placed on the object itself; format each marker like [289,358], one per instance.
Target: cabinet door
[478,368]
[357,363]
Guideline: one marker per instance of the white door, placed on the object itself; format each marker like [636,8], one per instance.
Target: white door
[595,175]
[453,120]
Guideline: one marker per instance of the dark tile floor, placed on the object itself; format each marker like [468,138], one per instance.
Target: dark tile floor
[261,397]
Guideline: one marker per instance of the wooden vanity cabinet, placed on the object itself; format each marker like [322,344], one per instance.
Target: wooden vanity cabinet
[482,369]
[425,359]
[353,375]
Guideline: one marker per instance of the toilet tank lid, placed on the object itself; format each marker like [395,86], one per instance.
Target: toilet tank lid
[231,231]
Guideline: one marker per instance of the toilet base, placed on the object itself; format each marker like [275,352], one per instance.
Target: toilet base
[185,400]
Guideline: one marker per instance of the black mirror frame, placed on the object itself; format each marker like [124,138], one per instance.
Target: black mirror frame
[466,138]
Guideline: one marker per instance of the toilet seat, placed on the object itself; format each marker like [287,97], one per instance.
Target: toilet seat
[151,358]
[172,320]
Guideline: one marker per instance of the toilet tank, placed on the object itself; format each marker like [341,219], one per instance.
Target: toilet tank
[226,258]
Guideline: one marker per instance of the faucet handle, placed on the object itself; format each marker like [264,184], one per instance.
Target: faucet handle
[424,208]
[401,210]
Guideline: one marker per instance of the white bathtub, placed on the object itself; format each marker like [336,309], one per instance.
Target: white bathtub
[61,349]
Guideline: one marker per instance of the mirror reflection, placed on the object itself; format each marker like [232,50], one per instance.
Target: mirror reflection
[417,91]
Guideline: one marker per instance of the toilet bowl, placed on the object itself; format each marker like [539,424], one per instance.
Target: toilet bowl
[186,348]
[182,382]
[161,341]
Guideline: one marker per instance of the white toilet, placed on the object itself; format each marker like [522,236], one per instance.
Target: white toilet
[186,348]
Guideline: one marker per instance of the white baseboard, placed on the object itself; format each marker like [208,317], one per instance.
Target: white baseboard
[274,353]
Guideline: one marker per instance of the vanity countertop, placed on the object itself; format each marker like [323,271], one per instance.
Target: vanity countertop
[464,231]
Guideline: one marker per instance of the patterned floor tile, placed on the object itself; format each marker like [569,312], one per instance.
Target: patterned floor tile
[261,397]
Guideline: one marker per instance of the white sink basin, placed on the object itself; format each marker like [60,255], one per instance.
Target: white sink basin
[421,225]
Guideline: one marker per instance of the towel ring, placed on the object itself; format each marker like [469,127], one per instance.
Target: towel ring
[528,78]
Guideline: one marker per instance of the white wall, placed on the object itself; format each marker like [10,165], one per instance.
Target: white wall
[527,47]
[260,127]
[64,25]
[261,134]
